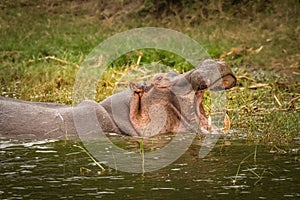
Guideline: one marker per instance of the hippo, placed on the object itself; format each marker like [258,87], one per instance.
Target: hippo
[170,102]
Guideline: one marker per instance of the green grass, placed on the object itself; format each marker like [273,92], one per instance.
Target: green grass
[43,44]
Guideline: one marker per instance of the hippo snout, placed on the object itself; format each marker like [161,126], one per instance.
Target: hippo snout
[213,75]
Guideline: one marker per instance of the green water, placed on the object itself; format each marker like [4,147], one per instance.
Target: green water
[232,170]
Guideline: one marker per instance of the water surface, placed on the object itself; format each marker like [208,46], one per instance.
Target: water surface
[234,169]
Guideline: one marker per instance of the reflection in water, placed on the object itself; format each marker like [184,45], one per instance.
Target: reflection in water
[234,169]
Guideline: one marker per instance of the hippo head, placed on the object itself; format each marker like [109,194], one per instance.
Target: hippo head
[173,103]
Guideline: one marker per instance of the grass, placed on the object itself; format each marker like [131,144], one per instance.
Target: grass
[43,43]
[251,167]
[269,113]
[91,157]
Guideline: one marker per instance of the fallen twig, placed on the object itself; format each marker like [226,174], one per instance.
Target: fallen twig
[259,85]
[293,100]
[277,100]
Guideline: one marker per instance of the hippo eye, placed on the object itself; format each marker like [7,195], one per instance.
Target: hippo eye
[159,78]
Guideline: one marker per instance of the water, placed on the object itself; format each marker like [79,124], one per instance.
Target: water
[232,170]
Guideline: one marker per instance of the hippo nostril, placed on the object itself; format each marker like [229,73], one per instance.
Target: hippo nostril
[202,87]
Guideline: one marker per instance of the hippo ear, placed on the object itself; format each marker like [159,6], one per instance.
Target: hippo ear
[224,83]
[135,87]
[229,81]
[140,87]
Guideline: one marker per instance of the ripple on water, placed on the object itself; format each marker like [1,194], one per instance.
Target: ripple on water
[237,177]
[25,172]
[28,166]
[288,196]
[18,188]
[203,180]
[89,189]
[163,188]
[45,151]
[106,192]
[223,193]
[126,188]
[8,173]
[228,187]
[15,143]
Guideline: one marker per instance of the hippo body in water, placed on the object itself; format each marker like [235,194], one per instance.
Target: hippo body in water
[168,103]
